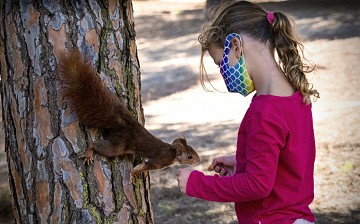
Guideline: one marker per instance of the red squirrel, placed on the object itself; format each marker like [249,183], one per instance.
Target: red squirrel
[97,107]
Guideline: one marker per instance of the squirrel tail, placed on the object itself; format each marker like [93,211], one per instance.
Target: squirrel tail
[94,104]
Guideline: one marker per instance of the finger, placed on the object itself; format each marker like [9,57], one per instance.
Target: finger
[217,169]
[215,162]
[178,172]
[222,172]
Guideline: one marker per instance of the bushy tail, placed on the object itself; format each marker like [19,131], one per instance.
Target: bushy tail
[95,106]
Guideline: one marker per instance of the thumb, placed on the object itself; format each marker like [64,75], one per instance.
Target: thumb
[216,161]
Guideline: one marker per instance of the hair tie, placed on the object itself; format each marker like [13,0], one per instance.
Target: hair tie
[270,17]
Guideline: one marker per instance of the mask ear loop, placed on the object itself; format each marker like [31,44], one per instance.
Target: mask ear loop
[242,48]
[241,44]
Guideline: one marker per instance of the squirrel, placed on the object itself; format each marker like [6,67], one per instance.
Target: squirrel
[97,107]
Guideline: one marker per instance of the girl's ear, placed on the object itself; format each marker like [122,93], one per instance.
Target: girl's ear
[236,47]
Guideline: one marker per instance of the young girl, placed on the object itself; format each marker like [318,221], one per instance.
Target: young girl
[270,178]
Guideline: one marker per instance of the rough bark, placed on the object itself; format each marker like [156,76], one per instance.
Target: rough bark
[43,140]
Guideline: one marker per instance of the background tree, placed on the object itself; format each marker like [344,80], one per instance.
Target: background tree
[43,139]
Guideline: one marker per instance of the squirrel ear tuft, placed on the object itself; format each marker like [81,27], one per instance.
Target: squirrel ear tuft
[180,145]
[181,140]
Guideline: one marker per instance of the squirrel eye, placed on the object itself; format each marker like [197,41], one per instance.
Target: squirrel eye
[189,157]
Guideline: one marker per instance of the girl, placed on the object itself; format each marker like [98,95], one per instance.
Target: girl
[270,178]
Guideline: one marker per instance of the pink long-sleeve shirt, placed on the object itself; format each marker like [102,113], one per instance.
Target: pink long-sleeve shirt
[275,156]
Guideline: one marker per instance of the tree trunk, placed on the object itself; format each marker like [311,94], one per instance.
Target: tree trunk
[43,139]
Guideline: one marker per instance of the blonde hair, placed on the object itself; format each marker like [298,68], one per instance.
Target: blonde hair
[248,18]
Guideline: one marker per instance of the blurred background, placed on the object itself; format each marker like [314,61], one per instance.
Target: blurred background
[176,105]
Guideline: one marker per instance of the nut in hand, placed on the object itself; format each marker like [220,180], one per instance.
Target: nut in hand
[210,168]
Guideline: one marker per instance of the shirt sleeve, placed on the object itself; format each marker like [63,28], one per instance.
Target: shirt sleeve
[265,137]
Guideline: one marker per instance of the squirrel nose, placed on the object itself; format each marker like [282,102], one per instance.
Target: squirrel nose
[193,162]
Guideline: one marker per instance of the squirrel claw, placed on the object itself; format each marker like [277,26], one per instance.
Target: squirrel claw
[87,160]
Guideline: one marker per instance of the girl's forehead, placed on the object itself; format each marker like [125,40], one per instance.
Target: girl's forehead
[215,49]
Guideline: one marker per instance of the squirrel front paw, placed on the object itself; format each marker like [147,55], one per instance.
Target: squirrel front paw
[131,179]
[88,157]
[132,176]
[87,160]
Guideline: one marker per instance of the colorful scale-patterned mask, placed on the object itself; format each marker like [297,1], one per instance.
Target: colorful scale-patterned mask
[236,78]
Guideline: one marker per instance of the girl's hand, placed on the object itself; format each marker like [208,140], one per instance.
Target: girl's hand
[224,165]
[182,178]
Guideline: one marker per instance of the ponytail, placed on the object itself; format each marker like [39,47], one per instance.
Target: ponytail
[291,54]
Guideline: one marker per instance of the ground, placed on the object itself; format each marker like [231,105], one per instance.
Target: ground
[176,105]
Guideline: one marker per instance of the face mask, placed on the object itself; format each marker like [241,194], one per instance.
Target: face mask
[236,78]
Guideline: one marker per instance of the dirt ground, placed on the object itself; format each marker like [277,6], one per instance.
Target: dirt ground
[176,105]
